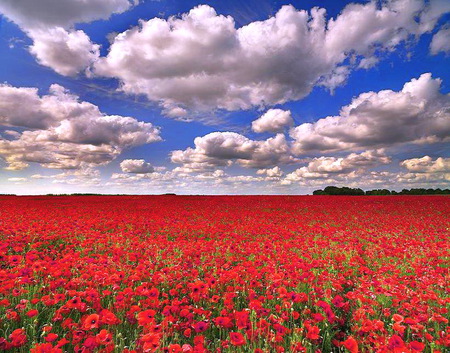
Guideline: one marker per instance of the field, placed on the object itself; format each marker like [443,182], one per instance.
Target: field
[224,274]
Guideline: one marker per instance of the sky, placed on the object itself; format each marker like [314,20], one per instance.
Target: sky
[223,97]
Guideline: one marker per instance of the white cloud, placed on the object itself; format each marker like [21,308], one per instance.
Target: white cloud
[220,149]
[441,42]
[424,179]
[50,24]
[274,172]
[17,179]
[419,113]
[66,52]
[327,167]
[201,61]
[137,166]
[274,120]
[62,13]
[84,176]
[426,164]
[367,63]
[64,132]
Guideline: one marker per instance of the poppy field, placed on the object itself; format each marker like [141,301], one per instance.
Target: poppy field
[224,274]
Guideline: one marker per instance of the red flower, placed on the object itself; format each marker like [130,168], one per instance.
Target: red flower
[416,346]
[51,337]
[313,333]
[146,317]
[32,313]
[151,342]
[200,326]
[104,337]
[237,339]
[351,344]
[395,342]
[91,322]
[18,338]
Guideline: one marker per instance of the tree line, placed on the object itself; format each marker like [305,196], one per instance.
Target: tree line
[334,190]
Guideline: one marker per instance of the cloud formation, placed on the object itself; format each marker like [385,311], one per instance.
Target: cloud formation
[351,165]
[137,166]
[50,24]
[66,52]
[274,120]
[201,61]
[418,113]
[441,42]
[61,132]
[427,164]
[221,149]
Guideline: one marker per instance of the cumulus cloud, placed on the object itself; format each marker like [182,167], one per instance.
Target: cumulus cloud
[201,61]
[83,176]
[352,165]
[220,149]
[418,113]
[274,172]
[63,13]
[427,164]
[441,42]
[59,131]
[137,166]
[50,24]
[66,52]
[274,120]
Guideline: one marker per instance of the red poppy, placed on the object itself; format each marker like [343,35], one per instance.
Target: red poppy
[237,339]
[146,317]
[91,322]
[351,344]
[200,326]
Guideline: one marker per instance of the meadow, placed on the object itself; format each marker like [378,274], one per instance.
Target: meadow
[224,274]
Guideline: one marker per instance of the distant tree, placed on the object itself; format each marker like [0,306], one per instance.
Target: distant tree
[334,190]
[378,192]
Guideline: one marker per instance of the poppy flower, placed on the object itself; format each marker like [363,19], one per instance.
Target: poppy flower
[104,337]
[313,333]
[51,337]
[91,322]
[32,313]
[237,339]
[351,344]
[200,326]
[146,317]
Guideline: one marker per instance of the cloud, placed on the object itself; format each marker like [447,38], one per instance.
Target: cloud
[61,132]
[61,13]
[327,167]
[137,166]
[17,179]
[426,164]
[66,52]
[367,63]
[221,149]
[418,113]
[274,172]
[84,176]
[425,171]
[201,61]
[424,179]
[50,24]
[441,42]
[274,120]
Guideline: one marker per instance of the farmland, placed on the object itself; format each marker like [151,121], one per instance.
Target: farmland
[224,274]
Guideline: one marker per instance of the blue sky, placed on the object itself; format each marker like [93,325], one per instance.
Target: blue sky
[223,96]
